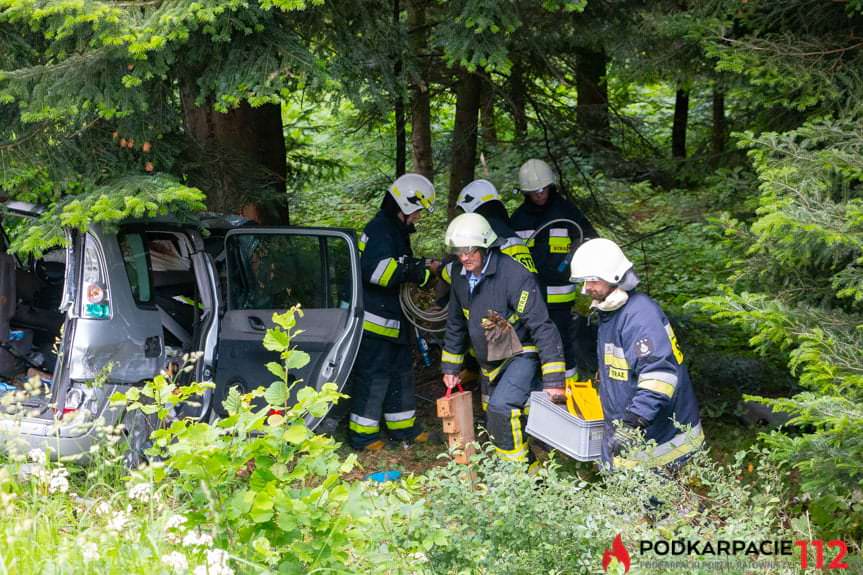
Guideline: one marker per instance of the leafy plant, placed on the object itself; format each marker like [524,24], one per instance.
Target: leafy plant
[504,520]
[269,486]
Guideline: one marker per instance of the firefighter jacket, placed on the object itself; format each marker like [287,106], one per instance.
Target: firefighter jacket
[551,247]
[387,262]
[507,240]
[642,377]
[512,291]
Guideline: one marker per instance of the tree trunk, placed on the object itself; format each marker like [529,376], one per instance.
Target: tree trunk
[401,142]
[237,158]
[591,111]
[421,135]
[517,98]
[489,129]
[717,140]
[678,128]
[464,136]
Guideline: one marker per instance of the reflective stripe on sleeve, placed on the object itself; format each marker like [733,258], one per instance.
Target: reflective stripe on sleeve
[446,274]
[658,381]
[561,294]
[363,241]
[384,271]
[381,325]
[426,278]
[454,358]
[553,367]
[525,235]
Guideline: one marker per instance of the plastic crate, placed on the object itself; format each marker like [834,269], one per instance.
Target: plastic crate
[554,425]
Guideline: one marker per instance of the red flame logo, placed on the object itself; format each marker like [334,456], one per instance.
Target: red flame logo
[617,551]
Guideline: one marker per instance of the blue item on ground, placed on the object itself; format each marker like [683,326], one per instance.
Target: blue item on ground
[16,335]
[382,476]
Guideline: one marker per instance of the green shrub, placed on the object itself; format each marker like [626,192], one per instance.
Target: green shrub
[503,520]
[274,492]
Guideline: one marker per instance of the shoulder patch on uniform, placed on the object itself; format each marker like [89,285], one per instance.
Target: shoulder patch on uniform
[522,301]
[643,347]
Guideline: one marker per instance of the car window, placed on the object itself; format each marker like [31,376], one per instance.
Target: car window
[271,271]
[167,255]
[137,266]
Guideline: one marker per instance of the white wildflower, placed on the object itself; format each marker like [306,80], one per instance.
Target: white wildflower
[174,527]
[217,564]
[196,538]
[90,551]
[118,522]
[141,492]
[176,561]
[103,508]
[58,482]
[36,456]
[175,521]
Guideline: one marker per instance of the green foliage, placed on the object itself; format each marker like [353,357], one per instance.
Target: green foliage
[274,490]
[164,393]
[107,205]
[803,255]
[504,520]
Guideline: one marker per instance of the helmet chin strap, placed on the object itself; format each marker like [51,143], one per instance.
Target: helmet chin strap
[612,301]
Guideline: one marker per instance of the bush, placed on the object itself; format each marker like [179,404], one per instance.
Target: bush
[273,491]
[503,520]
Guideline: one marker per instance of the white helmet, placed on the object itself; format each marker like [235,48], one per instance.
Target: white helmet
[413,192]
[469,231]
[475,194]
[534,175]
[599,258]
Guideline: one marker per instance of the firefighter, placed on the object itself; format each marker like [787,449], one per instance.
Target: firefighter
[644,386]
[551,245]
[481,197]
[383,385]
[485,281]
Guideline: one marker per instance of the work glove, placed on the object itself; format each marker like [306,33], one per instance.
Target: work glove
[629,435]
[500,336]
[415,269]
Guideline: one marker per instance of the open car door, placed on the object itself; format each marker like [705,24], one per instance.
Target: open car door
[272,269]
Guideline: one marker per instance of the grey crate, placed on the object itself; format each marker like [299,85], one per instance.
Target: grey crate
[554,425]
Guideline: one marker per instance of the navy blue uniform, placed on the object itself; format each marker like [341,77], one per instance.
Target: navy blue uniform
[550,249]
[641,372]
[509,289]
[383,384]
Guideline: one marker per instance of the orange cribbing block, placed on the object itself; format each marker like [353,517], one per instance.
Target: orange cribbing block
[582,400]
[456,413]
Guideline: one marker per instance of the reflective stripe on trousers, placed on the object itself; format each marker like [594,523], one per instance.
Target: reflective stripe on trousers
[678,446]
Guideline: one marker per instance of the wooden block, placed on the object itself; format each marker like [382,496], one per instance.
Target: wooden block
[456,412]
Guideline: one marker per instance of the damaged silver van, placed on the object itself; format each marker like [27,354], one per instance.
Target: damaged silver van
[119,305]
